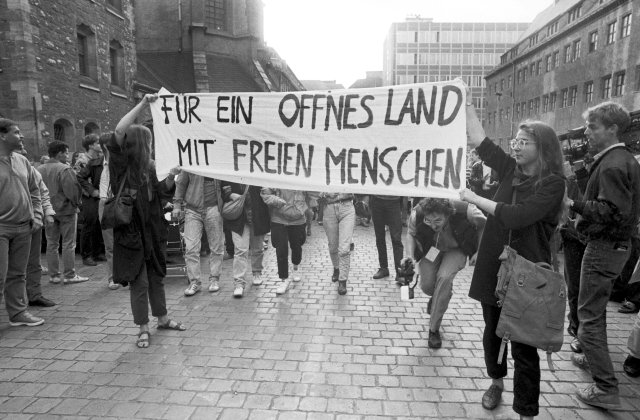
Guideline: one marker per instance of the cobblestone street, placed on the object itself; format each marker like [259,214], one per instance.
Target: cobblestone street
[309,354]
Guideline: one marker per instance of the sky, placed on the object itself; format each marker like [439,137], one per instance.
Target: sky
[343,39]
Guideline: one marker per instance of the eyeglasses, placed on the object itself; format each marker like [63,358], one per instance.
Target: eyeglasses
[520,143]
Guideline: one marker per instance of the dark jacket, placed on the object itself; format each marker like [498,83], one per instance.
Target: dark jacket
[144,241]
[464,232]
[476,179]
[532,219]
[611,203]
[89,176]
[260,218]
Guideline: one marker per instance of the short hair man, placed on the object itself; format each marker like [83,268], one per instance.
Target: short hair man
[20,215]
[105,194]
[89,179]
[65,196]
[607,217]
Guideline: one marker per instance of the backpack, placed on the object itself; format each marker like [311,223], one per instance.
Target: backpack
[533,302]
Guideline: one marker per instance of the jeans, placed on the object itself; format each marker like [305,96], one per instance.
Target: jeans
[283,237]
[387,213]
[436,280]
[634,339]
[248,246]
[339,222]
[147,289]
[573,252]
[107,238]
[211,220]
[34,269]
[601,264]
[15,243]
[90,237]
[65,227]
[526,364]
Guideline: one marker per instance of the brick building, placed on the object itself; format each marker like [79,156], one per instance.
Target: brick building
[66,68]
[421,50]
[575,54]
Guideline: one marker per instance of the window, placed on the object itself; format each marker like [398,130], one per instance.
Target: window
[593,41]
[552,101]
[63,131]
[611,32]
[519,76]
[86,47]
[532,69]
[538,67]
[501,84]
[91,128]
[115,4]
[606,87]
[549,63]
[552,28]
[556,59]
[116,64]
[536,105]
[516,113]
[625,26]
[573,95]
[523,109]
[509,80]
[576,49]
[565,98]
[530,106]
[533,40]
[545,103]
[524,75]
[618,85]
[567,54]
[574,13]
[216,15]
[588,92]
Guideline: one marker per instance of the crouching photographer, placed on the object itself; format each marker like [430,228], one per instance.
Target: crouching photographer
[442,233]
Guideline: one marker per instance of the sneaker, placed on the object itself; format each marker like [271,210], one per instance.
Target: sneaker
[44,270]
[214,286]
[580,360]
[282,287]
[296,274]
[193,288]
[75,279]
[227,256]
[89,261]
[238,292]
[25,318]
[113,286]
[257,279]
[342,287]
[628,307]
[55,279]
[319,222]
[596,397]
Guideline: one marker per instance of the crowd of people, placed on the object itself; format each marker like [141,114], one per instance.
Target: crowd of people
[529,199]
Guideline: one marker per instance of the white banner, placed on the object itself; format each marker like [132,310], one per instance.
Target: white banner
[407,140]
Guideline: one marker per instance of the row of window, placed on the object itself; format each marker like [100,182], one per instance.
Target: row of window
[571,52]
[455,59]
[611,85]
[87,56]
[458,37]
[472,81]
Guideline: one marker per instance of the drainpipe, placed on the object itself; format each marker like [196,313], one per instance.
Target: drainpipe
[180,24]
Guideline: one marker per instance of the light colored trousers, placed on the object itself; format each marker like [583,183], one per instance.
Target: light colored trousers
[211,221]
[436,280]
[248,246]
[634,339]
[107,237]
[65,227]
[339,219]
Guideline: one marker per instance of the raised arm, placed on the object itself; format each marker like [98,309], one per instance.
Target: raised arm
[475,132]
[130,117]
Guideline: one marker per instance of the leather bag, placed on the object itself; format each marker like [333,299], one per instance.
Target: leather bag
[232,210]
[118,210]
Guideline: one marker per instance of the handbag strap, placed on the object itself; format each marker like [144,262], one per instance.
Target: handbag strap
[513,201]
[126,175]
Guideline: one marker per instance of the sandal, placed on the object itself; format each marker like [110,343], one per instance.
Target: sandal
[172,325]
[143,339]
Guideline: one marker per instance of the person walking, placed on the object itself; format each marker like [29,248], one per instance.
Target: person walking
[524,213]
[91,242]
[139,248]
[288,223]
[247,234]
[607,216]
[20,216]
[441,235]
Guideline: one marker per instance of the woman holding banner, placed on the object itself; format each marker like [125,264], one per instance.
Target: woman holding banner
[288,230]
[139,248]
[527,203]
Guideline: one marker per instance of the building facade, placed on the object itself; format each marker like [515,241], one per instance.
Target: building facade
[575,54]
[420,50]
[67,68]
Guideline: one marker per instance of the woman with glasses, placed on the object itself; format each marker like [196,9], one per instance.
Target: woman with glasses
[527,203]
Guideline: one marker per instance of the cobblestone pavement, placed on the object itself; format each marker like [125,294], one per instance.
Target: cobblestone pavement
[308,354]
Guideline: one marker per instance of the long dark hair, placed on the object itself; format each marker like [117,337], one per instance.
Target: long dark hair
[550,157]
[137,143]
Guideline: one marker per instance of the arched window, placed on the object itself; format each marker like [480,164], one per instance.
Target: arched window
[91,128]
[63,130]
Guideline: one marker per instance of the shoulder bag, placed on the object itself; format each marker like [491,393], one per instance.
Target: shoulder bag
[232,210]
[118,210]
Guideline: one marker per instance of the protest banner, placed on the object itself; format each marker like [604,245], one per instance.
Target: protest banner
[407,140]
